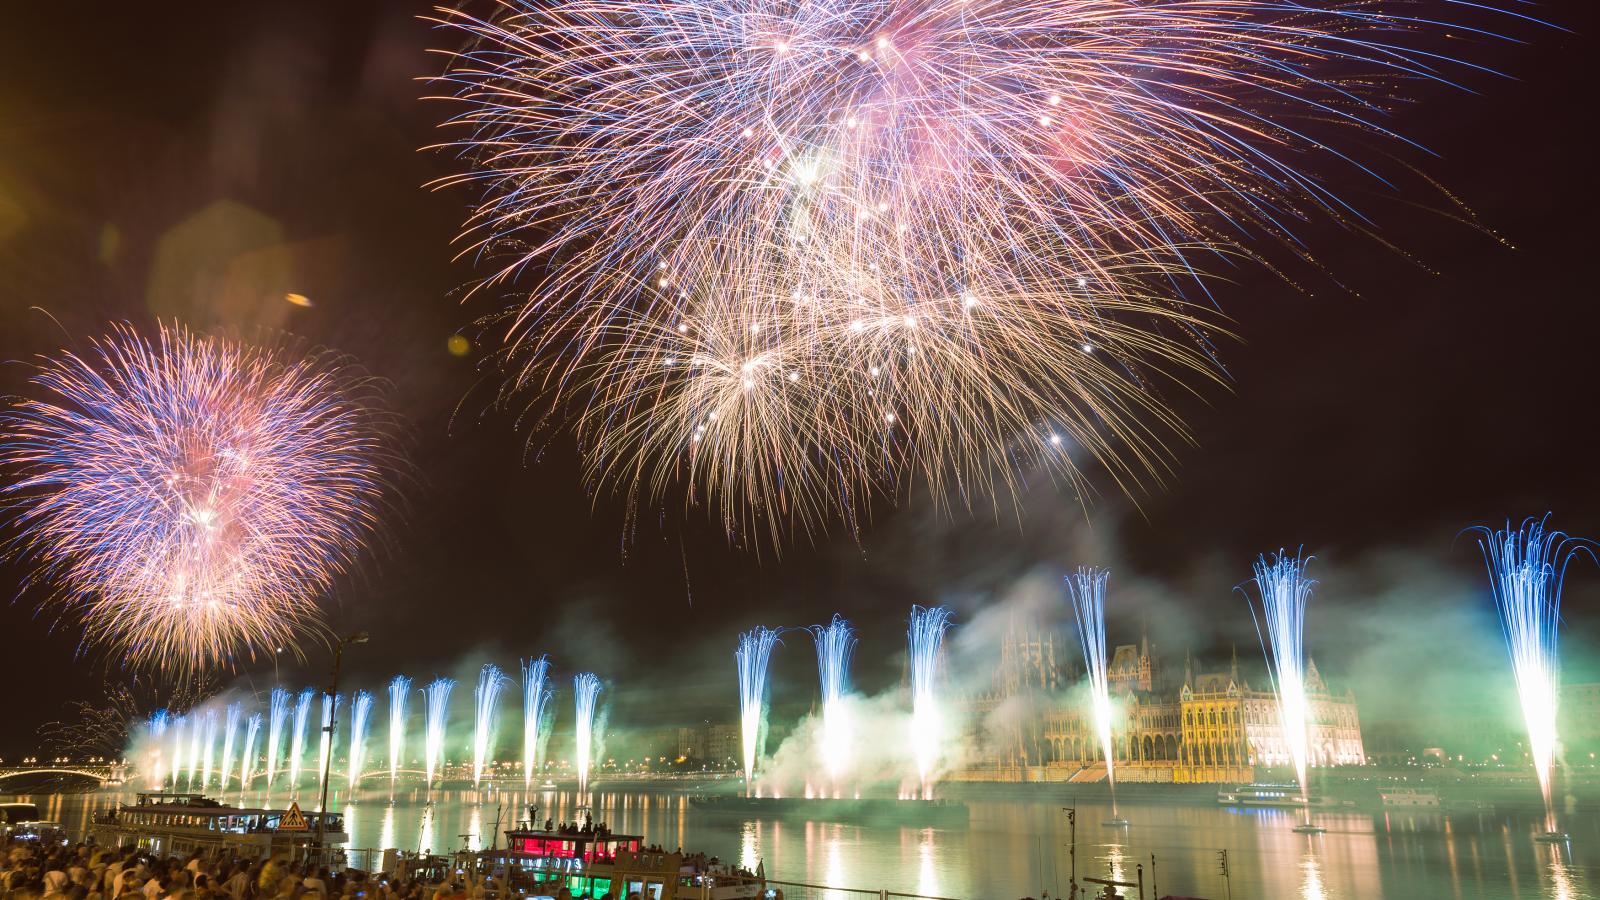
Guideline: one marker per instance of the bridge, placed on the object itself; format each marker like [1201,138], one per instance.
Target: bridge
[112,773]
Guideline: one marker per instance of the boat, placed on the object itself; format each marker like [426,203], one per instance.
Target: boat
[1553,837]
[178,824]
[1261,795]
[871,811]
[593,861]
[1409,798]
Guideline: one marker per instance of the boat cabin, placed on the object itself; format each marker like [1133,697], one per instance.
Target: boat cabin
[177,824]
[593,862]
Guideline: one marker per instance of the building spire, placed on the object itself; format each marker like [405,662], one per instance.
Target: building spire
[1188,667]
[1233,667]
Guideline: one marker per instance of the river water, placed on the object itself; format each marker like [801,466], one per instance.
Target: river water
[1014,848]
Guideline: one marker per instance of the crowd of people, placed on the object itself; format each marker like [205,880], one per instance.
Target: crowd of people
[37,870]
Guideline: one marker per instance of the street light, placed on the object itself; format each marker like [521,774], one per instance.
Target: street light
[359,637]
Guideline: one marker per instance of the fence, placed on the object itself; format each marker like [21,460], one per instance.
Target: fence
[799,890]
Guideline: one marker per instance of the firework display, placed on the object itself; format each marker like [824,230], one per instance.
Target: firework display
[1527,567]
[792,255]
[752,657]
[535,699]
[277,718]
[486,708]
[835,642]
[399,694]
[360,722]
[436,717]
[1282,591]
[925,645]
[586,689]
[189,497]
[1087,587]
[297,740]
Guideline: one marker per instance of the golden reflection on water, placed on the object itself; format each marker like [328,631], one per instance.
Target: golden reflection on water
[1016,847]
[386,837]
[1311,877]
[927,875]
[1566,883]
[749,845]
[835,874]
[425,840]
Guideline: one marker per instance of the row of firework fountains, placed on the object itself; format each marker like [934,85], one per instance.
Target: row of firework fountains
[183,752]
[1526,570]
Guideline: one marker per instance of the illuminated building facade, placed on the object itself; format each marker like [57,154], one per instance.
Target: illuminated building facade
[1203,728]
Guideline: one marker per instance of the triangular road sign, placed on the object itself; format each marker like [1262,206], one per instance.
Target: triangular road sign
[293,820]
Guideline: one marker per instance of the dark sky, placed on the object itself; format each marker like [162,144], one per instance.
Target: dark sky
[200,160]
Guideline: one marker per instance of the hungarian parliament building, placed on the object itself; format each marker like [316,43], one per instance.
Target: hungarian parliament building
[1203,726]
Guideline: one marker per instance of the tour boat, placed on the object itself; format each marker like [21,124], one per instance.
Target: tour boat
[594,862]
[1409,798]
[1261,795]
[176,824]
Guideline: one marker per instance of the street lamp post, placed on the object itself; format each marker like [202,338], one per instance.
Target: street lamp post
[1072,825]
[359,637]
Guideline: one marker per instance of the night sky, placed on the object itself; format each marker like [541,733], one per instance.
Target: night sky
[199,161]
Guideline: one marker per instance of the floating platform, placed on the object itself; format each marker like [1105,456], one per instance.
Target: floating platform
[916,813]
[1118,822]
[1553,837]
[1309,828]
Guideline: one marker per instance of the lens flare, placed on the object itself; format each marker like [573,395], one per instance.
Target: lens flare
[191,497]
[752,657]
[1282,591]
[786,257]
[1527,568]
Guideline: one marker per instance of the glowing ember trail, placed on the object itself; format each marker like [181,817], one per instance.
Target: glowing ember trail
[752,657]
[1527,568]
[585,689]
[925,644]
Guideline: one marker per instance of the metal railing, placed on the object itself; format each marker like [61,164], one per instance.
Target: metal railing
[800,890]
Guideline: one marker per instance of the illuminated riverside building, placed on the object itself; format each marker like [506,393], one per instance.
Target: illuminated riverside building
[1203,728]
